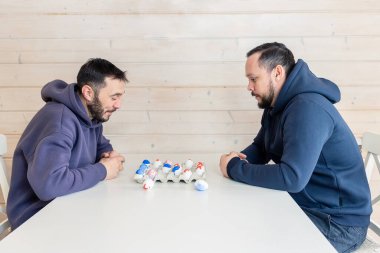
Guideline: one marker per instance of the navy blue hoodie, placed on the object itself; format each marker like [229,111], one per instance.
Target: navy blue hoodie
[57,154]
[317,159]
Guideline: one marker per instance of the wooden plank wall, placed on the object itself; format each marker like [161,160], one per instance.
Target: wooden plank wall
[185,61]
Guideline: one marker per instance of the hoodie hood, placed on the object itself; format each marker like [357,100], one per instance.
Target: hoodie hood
[60,92]
[302,80]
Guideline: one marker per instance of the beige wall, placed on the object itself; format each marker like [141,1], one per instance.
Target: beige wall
[185,61]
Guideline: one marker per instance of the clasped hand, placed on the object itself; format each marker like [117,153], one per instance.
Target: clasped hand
[114,163]
[226,158]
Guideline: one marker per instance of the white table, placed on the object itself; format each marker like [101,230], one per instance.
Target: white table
[119,216]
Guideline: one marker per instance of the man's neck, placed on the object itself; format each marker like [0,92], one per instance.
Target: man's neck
[84,102]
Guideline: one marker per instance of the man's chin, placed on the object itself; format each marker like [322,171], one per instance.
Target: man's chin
[105,119]
[261,104]
[107,115]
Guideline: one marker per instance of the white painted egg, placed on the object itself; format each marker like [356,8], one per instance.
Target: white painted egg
[201,185]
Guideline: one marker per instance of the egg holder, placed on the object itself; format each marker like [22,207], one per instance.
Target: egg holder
[170,176]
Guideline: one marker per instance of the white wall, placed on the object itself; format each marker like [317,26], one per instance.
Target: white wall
[185,61]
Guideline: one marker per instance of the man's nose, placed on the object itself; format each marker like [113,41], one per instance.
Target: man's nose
[117,104]
[250,86]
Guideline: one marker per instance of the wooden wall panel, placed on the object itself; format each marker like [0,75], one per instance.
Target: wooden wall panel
[174,99]
[182,6]
[167,143]
[166,50]
[186,74]
[185,61]
[139,50]
[93,26]
[53,45]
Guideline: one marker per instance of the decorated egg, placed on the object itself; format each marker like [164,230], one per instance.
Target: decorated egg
[157,164]
[166,168]
[201,185]
[188,164]
[177,169]
[148,184]
[186,174]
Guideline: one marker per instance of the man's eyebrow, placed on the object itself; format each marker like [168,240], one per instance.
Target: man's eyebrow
[117,94]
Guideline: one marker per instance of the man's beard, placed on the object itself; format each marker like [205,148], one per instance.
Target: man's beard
[266,100]
[96,110]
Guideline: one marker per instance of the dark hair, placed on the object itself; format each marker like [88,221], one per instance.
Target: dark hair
[273,54]
[95,70]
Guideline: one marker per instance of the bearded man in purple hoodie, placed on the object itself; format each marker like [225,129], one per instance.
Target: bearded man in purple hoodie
[315,155]
[63,149]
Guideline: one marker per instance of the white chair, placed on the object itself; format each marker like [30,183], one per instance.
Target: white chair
[4,185]
[371,144]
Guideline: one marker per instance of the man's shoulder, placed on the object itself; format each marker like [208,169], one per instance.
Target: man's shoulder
[308,97]
[57,110]
[307,106]
[309,101]
[56,117]
[51,119]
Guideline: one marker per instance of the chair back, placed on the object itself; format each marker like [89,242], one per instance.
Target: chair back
[371,144]
[4,185]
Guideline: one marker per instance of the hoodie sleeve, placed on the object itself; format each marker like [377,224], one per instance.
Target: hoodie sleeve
[256,151]
[306,127]
[49,173]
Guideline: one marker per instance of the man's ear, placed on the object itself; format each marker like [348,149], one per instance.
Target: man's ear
[87,92]
[279,73]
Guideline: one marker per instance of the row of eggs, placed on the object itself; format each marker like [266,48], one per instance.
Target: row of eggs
[150,171]
[168,166]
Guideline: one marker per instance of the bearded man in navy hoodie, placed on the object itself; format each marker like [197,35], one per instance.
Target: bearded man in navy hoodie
[316,157]
[63,149]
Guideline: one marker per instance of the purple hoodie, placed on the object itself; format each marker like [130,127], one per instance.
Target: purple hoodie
[57,154]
